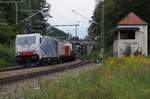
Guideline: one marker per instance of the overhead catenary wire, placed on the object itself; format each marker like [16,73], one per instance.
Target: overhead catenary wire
[101,26]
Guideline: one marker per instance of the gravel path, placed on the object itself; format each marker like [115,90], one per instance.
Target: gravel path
[18,88]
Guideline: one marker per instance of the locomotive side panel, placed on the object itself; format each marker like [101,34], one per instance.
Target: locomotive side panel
[49,46]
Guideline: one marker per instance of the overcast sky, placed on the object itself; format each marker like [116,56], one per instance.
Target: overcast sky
[61,11]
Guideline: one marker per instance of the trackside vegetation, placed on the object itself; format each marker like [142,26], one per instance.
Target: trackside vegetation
[7,56]
[117,78]
[7,46]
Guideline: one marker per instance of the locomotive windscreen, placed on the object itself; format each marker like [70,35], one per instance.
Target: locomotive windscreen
[26,40]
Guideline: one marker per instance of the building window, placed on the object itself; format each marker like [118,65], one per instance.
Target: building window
[127,34]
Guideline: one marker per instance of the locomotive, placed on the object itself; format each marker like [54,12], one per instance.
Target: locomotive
[42,50]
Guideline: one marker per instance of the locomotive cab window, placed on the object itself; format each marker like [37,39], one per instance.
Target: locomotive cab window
[26,40]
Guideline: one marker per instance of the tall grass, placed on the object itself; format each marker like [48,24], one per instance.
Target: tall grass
[117,78]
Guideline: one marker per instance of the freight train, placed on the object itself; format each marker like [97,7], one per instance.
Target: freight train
[42,50]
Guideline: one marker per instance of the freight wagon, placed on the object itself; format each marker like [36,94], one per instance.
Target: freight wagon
[42,50]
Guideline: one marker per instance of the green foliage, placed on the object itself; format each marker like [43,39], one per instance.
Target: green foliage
[7,56]
[54,32]
[7,52]
[72,88]
[128,51]
[7,33]
[9,30]
[95,54]
[115,10]
[8,14]
[138,52]
[117,78]
[126,78]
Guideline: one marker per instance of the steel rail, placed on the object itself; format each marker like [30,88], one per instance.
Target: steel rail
[19,67]
[7,80]
[15,67]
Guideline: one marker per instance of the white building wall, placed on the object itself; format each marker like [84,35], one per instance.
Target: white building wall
[145,29]
[142,37]
[115,48]
[122,44]
[140,42]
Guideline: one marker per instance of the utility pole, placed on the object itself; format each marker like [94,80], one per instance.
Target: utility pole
[102,31]
[102,43]
[29,22]
[16,12]
[76,28]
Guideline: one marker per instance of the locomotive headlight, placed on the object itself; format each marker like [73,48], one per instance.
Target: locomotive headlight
[34,52]
[18,53]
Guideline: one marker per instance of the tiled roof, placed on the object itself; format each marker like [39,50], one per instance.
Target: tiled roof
[132,19]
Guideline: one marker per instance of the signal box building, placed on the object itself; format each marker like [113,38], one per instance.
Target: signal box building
[131,36]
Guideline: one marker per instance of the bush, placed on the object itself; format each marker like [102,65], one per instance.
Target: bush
[7,34]
[7,56]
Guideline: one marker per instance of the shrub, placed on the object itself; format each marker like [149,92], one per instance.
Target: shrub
[7,56]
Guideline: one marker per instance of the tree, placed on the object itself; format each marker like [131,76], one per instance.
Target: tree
[115,10]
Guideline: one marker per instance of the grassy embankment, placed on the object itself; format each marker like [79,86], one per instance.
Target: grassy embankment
[7,52]
[125,78]
[7,56]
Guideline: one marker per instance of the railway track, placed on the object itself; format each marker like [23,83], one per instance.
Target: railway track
[18,67]
[11,68]
[15,78]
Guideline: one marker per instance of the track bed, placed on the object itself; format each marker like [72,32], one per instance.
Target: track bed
[16,75]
